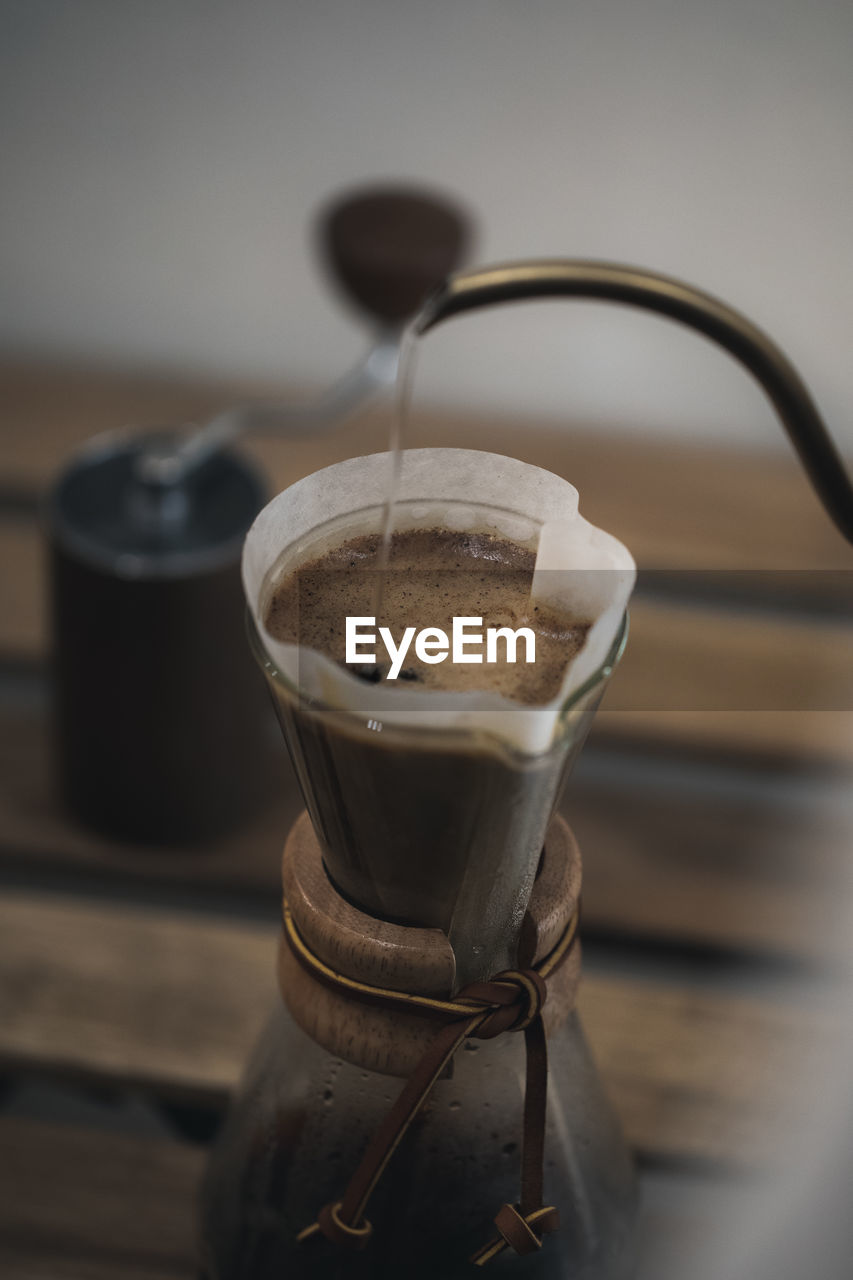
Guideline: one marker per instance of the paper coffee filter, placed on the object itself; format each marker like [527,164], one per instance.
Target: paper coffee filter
[579,568]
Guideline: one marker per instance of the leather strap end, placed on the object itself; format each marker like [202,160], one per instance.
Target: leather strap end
[518,1232]
[334,1228]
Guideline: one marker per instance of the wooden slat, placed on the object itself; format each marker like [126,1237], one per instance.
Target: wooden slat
[165,1000]
[683,657]
[699,1075]
[81,1204]
[722,866]
[770,738]
[174,1001]
[674,504]
[23,590]
[717,866]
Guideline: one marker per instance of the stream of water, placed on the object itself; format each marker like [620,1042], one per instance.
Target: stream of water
[396,446]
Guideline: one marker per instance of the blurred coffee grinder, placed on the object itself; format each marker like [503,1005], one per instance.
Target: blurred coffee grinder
[164,733]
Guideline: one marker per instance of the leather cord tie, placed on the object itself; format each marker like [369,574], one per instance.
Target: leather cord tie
[511,1001]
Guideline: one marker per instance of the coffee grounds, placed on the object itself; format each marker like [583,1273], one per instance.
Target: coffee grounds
[433,575]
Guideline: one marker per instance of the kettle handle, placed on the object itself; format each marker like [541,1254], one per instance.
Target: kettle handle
[608,281]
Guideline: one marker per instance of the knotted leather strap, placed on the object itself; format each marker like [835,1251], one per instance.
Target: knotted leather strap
[511,1001]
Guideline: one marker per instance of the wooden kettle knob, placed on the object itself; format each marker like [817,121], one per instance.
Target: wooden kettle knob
[390,247]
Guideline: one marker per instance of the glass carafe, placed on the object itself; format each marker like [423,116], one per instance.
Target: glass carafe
[303,1118]
[304,1115]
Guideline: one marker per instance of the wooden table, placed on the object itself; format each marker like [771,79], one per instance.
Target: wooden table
[710,803]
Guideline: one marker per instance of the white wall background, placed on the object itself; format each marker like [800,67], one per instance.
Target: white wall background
[161,160]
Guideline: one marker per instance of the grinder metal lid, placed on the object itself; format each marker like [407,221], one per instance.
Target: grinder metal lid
[104,511]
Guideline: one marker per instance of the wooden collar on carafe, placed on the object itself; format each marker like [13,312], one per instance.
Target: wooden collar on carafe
[384,1024]
[366,950]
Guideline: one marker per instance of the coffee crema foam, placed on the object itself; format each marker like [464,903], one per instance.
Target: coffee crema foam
[432,576]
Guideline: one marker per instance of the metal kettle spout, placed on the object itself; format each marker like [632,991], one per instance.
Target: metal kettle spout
[633,286]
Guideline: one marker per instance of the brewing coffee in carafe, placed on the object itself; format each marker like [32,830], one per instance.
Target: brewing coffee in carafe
[422,876]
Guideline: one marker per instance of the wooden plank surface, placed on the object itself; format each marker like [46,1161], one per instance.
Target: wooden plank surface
[775,739]
[684,657]
[174,1002]
[82,1204]
[23,587]
[169,1000]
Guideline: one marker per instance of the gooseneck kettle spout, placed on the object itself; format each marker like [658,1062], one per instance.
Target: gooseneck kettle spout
[633,286]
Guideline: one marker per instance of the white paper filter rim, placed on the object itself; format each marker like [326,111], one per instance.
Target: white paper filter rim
[580,568]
